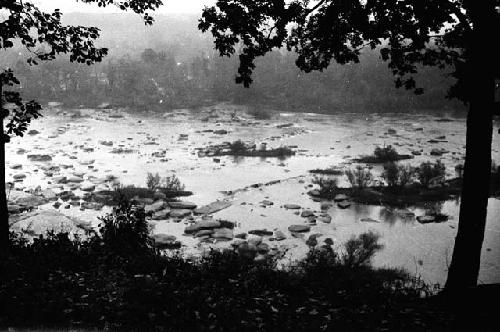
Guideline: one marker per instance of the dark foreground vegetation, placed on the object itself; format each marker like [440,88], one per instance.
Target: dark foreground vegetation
[116,279]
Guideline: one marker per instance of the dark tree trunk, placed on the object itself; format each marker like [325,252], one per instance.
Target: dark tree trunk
[4,213]
[465,263]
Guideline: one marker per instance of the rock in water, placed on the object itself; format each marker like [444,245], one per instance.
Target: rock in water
[155,207]
[17,197]
[368,220]
[39,157]
[279,235]
[180,213]
[299,228]
[426,219]
[306,213]
[261,232]
[182,205]
[340,198]
[213,207]
[161,215]
[325,219]
[223,234]
[343,204]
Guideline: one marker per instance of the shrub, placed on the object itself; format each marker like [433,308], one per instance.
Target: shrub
[430,172]
[125,231]
[360,250]
[153,181]
[398,175]
[327,185]
[172,184]
[238,147]
[360,177]
[386,154]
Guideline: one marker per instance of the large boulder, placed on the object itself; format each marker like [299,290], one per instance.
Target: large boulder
[18,197]
[155,207]
[40,221]
[223,234]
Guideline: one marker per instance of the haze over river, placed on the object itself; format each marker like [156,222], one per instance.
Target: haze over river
[82,142]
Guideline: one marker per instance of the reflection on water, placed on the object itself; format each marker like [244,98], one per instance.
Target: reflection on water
[389,215]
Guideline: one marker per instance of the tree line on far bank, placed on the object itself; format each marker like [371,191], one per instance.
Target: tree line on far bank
[158,80]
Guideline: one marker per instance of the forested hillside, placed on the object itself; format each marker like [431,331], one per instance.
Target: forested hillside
[173,65]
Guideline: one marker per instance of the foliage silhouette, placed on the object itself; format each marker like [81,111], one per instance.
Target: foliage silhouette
[443,34]
[44,36]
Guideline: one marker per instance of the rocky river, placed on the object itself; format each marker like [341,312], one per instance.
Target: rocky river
[72,153]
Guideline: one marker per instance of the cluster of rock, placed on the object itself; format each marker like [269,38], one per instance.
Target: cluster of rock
[162,210]
[343,201]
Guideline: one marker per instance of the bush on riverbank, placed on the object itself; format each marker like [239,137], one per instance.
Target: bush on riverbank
[116,279]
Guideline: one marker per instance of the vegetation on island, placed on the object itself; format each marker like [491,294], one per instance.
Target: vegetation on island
[404,185]
[157,187]
[242,149]
[383,155]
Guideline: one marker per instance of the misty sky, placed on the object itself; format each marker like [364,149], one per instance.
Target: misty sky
[169,6]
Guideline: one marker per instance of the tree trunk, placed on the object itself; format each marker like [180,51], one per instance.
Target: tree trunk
[465,263]
[4,213]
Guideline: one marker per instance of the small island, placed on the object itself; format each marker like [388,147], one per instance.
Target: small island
[241,149]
